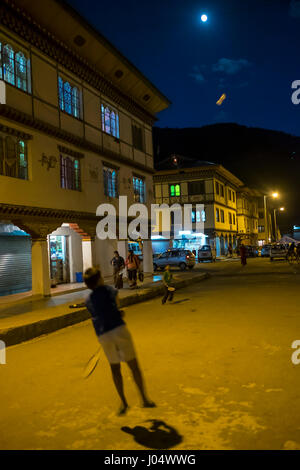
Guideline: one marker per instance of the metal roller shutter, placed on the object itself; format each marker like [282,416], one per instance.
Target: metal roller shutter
[15,264]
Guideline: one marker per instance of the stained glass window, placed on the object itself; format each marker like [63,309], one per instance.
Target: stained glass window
[110,121]
[69,98]
[14,67]
[8,64]
[61,93]
[21,71]
[110,177]
[139,189]
[75,102]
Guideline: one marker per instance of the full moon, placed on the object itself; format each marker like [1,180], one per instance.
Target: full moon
[203,18]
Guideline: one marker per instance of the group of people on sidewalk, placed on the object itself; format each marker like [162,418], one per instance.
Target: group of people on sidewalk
[133,265]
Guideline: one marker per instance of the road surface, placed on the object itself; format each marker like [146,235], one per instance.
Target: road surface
[217,362]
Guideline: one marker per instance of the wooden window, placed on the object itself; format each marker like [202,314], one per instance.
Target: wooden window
[13,157]
[137,137]
[196,187]
[110,180]
[69,98]
[139,189]
[110,121]
[14,67]
[217,215]
[175,190]
[70,174]
[222,216]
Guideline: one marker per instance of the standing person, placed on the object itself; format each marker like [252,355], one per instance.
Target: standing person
[118,264]
[243,253]
[230,250]
[167,280]
[132,263]
[113,335]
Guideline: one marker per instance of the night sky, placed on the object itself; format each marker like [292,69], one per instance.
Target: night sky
[249,50]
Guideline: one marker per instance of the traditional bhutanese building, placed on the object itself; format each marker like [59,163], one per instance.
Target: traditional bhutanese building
[76,122]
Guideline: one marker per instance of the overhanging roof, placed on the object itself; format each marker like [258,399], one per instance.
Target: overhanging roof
[65,23]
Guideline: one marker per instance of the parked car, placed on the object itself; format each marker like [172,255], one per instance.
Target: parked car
[278,252]
[265,251]
[206,253]
[252,251]
[176,257]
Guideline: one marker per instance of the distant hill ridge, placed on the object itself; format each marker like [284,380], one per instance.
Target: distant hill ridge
[261,158]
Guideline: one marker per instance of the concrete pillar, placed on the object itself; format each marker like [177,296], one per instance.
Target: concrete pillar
[104,254]
[40,267]
[147,256]
[123,248]
[88,253]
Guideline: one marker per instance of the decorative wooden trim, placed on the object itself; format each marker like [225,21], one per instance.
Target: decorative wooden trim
[27,120]
[110,165]
[15,132]
[21,23]
[71,153]
[11,210]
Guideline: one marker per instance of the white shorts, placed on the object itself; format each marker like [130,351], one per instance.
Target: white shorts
[117,345]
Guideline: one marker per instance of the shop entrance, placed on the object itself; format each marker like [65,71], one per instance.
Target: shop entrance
[59,259]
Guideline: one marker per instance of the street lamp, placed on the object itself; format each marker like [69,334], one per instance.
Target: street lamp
[274,195]
[275,222]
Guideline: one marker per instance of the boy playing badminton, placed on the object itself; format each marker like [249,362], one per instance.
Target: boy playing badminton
[113,334]
[167,281]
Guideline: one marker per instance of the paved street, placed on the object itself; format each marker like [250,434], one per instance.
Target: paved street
[217,362]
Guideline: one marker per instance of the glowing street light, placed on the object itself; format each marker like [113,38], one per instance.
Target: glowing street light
[281,209]
[203,18]
[274,195]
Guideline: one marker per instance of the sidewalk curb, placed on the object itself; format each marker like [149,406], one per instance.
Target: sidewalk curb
[19,334]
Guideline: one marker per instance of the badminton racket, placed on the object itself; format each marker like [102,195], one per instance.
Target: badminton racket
[91,364]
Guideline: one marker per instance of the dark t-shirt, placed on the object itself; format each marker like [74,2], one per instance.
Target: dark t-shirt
[103,307]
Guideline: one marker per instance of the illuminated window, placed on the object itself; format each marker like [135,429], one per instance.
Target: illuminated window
[69,98]
[110,121]
[139,189]
[198,216]
[175,190]
[70,173]
[110,180]
[14,67]
[13,157]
